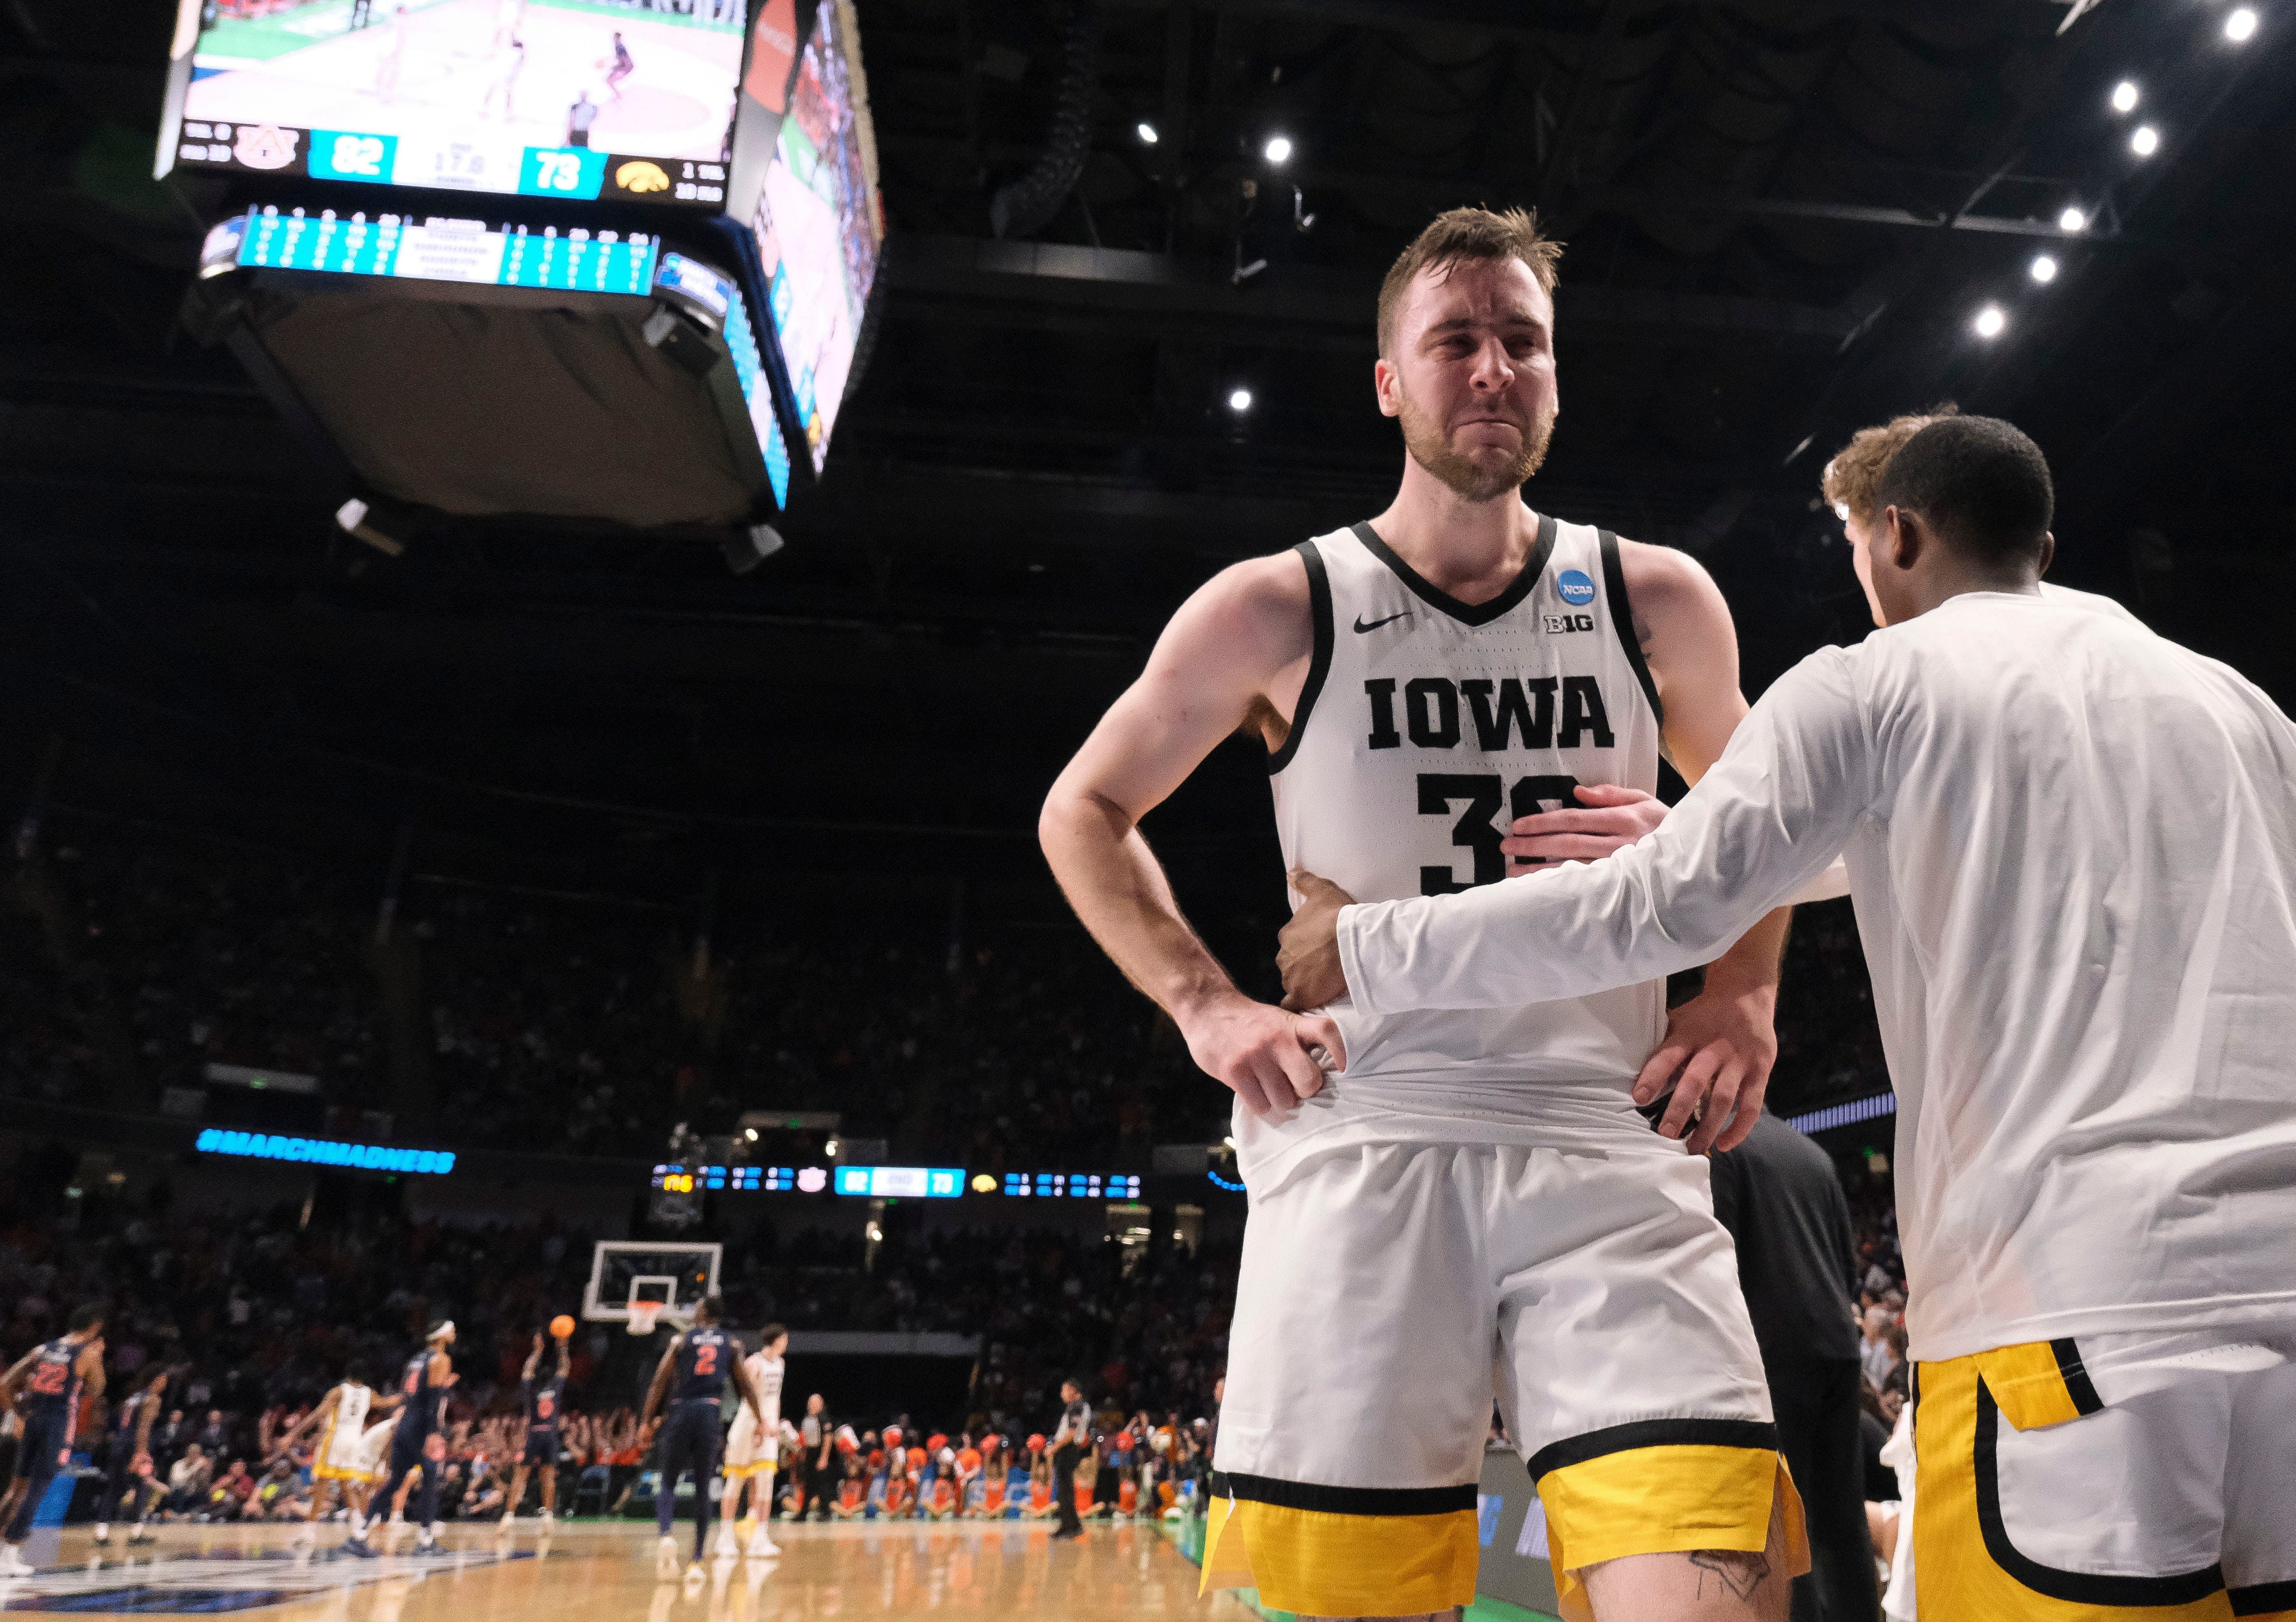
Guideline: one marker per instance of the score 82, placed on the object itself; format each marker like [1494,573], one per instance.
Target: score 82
[557,172]
[360,156]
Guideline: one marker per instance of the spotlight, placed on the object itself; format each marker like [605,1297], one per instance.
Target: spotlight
[2240,26]
[1990,322]
[2043,268]
[1239,399]
[2124,96]
[1278,149]
[1146,132]
[2146,141]
[2072,219]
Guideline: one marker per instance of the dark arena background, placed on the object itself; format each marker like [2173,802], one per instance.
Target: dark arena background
[542,592]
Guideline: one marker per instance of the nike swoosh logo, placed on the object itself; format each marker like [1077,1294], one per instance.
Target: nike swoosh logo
[1375,624]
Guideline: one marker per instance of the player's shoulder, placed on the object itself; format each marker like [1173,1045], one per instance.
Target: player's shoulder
[1664,580]
[1259,607]
[1275,584]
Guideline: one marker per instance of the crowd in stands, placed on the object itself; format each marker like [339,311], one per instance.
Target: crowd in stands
[129,962]
[254,1315]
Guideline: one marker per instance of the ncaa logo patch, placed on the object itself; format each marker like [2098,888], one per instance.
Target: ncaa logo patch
[1574,587]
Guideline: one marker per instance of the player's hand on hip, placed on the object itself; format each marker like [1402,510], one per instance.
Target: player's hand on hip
[1308,948]
[1718,1049]
[1266,1055]
[1606,819]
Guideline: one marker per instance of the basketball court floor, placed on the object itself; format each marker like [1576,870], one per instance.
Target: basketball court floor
[603,1572]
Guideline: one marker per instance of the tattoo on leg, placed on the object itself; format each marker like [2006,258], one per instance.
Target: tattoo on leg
[1741,1573]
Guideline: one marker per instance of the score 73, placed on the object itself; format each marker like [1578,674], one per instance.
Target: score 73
[557,172]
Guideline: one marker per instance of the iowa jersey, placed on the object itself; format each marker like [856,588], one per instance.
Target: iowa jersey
[1426,726]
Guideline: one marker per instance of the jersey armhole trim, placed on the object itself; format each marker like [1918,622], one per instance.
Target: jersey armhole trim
[1622,621]
[1319,663]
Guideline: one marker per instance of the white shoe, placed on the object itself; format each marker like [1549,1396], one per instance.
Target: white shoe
[728,1545]
[12,1562]
[547,1518]
[762,1547]
[398,1518]
[665,1560]
[695,1577]
[103,1533]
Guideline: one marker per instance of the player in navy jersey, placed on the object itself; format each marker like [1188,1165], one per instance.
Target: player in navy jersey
[692,1372]
[47,1385]
[545,1411]
[420,1444]
[128,1472]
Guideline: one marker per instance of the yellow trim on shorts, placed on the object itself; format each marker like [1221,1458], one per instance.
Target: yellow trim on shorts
[2029,1384]
[1671,1498]
[1319,1563]
[328,1473]
[1958,1572]
[743,1472]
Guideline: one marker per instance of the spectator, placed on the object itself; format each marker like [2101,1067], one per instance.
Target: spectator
[1875,1356]
[188,1479]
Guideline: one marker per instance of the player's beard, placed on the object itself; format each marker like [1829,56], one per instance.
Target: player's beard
[1475,480]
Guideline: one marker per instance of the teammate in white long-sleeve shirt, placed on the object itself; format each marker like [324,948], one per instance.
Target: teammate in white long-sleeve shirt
[2072,849]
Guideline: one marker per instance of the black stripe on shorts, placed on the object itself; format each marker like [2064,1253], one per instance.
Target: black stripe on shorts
[2077,1385]
[2264,1598]
[1654,1433]
[1345,1500]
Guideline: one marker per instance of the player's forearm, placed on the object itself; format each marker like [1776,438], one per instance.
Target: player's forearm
[1121,893]
[1751,966]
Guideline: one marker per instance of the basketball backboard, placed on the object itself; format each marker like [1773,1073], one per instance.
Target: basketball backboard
[623,1271]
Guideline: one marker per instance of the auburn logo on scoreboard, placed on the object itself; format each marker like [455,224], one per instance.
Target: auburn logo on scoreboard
[639,176]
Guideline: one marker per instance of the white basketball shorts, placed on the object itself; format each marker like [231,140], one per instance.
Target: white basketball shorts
[749,1450]
[1391,1292]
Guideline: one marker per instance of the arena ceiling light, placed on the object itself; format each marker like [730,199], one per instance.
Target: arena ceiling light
[1991,321]
[1239,399]
[2043,270]
[1278,149]
[1146,132]
[2146,141]
[2072,220]
[2124,96]
[2239,27]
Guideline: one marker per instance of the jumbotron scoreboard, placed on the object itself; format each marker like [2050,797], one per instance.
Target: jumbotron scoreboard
[715,156]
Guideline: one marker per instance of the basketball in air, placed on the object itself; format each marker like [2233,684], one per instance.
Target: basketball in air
[563,1326]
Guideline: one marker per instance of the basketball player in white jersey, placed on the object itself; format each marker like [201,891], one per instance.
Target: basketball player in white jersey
[2073,847]
[1458,682]
[338,1461]
[373,1467]
[753,1449]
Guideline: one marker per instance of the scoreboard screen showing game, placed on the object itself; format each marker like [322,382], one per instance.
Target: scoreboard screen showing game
[629,100]
[818,225]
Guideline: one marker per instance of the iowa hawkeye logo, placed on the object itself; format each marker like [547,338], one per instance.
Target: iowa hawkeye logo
[639,176]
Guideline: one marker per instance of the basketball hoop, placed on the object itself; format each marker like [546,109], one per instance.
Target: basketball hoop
[643,1314]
